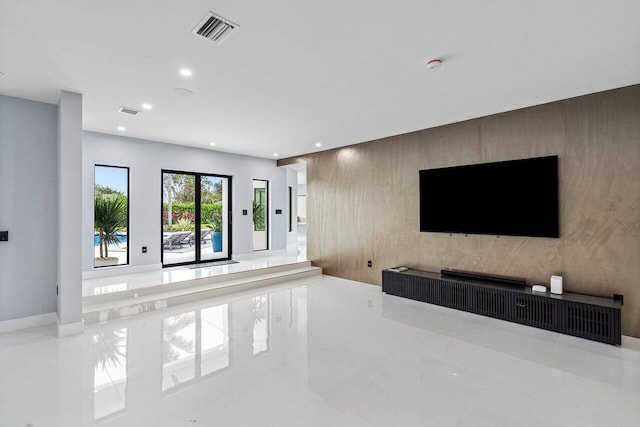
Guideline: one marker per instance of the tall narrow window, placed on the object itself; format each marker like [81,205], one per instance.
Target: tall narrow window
[111,216]
[260,215]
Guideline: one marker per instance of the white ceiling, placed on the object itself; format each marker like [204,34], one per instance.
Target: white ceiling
[297,72]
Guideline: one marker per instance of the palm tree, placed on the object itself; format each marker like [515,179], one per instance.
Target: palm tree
[169,189]
[110,217]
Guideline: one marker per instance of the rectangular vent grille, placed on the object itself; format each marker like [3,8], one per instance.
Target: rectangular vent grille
[454,296]
[214,28]
[534,312]
[490,302]
[127,110]
[587,322]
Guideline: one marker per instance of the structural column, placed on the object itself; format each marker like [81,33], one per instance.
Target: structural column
[69,232]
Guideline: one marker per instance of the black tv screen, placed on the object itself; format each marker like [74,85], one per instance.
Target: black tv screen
[513,198]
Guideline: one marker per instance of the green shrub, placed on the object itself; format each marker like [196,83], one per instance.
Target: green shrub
[211,212]
[184,224]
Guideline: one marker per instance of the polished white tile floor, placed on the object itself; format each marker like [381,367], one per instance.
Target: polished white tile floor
[316,352]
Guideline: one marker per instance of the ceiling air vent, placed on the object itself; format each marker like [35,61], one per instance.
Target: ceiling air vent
[214,28]
[128,110]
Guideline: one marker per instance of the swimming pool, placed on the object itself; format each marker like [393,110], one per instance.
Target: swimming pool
[122,238]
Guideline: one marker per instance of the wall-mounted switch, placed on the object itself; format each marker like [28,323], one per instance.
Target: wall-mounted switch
[144,249]
[369,264]
[244,211]
[278,211]
[4,236]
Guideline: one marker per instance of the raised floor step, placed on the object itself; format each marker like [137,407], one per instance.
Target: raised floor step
[202,276]
[144,300]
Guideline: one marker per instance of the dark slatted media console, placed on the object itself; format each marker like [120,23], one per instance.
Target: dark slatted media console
[593,318]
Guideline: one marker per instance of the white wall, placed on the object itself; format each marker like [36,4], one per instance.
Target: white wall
[69,232]
[146,159]
[27,207]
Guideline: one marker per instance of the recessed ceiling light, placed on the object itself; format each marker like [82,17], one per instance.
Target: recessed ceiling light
[185,72]
[147,106]
[275,154]
[213,144]
[318,144]
[121,128]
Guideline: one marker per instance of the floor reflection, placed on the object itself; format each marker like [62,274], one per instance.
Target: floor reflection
[339,354]
[110,373]
[260,324]
[178,349]
[194,344]
[215,339]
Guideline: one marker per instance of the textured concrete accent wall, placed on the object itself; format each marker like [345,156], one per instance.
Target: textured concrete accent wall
[363,199]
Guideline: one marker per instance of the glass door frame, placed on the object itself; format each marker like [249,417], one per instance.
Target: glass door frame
[198,198]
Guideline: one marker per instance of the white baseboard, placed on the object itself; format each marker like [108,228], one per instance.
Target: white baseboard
[28,322]
[69,328]
[118,270]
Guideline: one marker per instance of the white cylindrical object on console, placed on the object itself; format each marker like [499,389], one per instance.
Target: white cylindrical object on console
[556,285]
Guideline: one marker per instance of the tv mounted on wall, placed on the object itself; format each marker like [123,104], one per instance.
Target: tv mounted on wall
[512,198]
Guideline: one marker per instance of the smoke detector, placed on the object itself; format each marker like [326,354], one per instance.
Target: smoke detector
[214,28]
[433,64]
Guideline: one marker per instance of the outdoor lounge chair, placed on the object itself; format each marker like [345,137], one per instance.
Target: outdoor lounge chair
[203,236]
[176,240]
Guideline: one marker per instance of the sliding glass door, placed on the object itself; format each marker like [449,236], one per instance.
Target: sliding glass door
[178,217]
[214,199]
[195,217]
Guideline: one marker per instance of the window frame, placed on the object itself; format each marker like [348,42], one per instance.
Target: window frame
[128,169]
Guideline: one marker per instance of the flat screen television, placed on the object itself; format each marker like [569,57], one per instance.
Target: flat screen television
[512,198]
